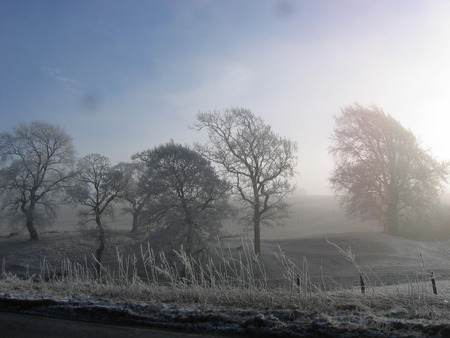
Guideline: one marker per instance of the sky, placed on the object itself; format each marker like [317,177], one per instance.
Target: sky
[125,76]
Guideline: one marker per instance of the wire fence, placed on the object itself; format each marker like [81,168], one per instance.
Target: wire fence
[361,281]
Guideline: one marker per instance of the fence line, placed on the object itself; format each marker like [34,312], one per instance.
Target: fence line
[374,279]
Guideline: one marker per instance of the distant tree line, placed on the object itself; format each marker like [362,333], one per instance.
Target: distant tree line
[184,192]
[181,191]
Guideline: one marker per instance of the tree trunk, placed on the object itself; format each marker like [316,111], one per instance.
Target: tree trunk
[392,222]
[137,208]
[256,219]
[257,234]
[29,219]
[99,253]
[392,226]
[31,228]
[101,247]
[134,227]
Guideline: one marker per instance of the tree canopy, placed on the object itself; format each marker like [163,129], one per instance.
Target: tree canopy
[259,162]
[185,195]
[36,162]
[381,172]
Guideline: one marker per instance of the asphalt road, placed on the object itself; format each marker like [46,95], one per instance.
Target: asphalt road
[26,326]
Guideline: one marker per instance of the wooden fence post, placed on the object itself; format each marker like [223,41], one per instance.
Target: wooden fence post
[433,283]
[362,284]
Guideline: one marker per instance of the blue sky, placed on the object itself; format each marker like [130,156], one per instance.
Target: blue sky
[125,76]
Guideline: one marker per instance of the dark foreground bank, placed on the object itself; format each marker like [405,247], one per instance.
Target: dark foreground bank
[218,321]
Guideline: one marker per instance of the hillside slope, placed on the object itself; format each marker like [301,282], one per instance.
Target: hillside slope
[378,254]
[375,252]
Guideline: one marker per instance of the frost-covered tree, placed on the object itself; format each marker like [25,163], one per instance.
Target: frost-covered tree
[259,162]
[185,196]
[381,172]
[135,195]
[36,163]
[97,185]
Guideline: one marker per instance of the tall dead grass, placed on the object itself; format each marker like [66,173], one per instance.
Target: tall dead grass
[227,278]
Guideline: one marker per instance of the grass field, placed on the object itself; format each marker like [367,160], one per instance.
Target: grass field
[303,239]
[313,264]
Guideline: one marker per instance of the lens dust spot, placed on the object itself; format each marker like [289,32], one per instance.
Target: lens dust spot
[285,9]
[91,102]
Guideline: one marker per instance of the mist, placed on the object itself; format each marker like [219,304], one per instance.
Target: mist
[124,78]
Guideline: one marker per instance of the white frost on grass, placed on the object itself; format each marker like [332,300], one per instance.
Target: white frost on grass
[392,310]
[232,294]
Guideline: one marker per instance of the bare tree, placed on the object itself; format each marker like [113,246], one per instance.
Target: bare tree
[186,196]
[135,194]
[36,161]
[97,185]
[259,162]
[381,172]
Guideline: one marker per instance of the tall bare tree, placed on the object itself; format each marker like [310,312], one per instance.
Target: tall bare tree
[259,162]
[381,172]
[97,185]
[186,197]
[36,165]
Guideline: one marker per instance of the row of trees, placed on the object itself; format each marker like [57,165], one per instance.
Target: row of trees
[380,173]
[171,186]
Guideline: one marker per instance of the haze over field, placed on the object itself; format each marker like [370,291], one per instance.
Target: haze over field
[123,77]
[309,216]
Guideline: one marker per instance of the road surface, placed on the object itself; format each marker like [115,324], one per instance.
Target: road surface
[27,326]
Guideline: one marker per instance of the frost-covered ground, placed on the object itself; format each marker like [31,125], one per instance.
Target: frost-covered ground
[37,277]
[349,319]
